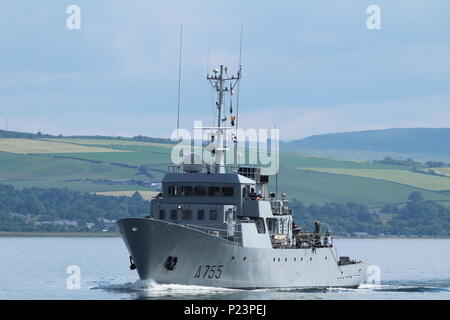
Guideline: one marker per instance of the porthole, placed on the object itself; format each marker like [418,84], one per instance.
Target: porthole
[232,258]
[245,258]
[285,259]
[134,229]
[301,259]
[326,258]
[273,259]
[278,259]
[310,259]
[295,259]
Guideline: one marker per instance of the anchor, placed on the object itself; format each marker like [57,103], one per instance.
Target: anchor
[171,263]
[132,264]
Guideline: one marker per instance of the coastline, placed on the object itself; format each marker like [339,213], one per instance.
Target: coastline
[59,234]
[4,234]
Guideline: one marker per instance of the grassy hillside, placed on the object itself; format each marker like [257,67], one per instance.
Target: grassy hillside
[116,168]
[417,143]
[419,180]
[318,187]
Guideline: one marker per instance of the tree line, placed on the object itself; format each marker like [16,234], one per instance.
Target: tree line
[418,217]
[34,209]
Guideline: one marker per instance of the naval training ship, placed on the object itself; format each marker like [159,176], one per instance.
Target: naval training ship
[218,225]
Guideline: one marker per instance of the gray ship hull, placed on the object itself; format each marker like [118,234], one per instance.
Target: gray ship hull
[206,260]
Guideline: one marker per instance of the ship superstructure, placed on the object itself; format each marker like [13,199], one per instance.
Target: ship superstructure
[218,225]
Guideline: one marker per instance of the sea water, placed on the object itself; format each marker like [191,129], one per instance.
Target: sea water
[98,268]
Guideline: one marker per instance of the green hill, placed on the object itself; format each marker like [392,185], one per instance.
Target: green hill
[91,165]
[417,143]
[127,165]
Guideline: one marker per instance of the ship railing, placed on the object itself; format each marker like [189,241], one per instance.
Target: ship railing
[313,240]
[205,168]
[280,207]
[230,235]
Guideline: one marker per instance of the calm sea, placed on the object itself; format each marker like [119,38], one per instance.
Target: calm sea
[36,268]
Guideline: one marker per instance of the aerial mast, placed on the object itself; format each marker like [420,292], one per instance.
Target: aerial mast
[218,82]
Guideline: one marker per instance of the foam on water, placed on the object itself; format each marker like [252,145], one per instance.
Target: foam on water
[152,287]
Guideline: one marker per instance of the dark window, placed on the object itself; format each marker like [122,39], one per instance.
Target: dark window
[227,191]
[213,215]
[173,191]
[201,214]
[162,214]
[260,225]
[186,191]
[186,215]
[214,191]
[173,214]
[200,191]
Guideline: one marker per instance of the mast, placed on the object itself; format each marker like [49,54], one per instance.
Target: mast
[218,82]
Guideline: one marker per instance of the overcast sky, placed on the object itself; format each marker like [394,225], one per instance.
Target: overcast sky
[310,66]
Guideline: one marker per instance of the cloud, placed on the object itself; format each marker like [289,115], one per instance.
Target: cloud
[293,122]
[303,121]
[308,67]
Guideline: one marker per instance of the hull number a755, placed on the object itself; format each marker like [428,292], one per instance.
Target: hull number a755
[209,271]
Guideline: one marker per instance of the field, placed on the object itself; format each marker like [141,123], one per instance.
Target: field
[441,171]
[419,180]
[26,146]
[32,167]
[109,142]
[312,187]
[109,166]
[147,195]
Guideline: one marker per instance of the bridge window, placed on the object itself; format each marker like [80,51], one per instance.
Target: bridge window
[213,215]
[186,191]
[174,214]
[214,191]
[227,191]
[260,225]
[173,191]
[200,191]
[186,215]
[201,214]
[162,214]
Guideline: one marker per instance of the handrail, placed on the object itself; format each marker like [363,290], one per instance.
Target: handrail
[223,233]
[229,168]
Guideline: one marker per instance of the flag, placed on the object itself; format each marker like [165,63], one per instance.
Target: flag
[232,120]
